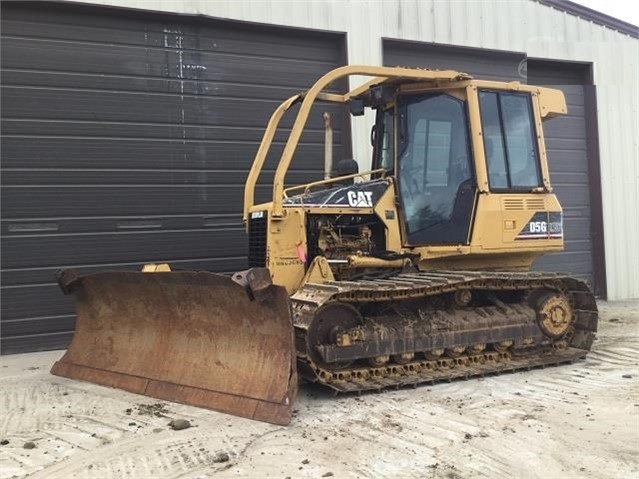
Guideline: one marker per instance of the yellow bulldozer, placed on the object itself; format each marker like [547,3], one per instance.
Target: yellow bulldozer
[416,271]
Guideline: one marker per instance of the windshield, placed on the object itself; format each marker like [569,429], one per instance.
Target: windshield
[433,158]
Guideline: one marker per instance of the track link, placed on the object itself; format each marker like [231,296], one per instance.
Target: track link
[401,289]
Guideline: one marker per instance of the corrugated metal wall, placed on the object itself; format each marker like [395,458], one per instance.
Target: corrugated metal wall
[127,138]
[516,25]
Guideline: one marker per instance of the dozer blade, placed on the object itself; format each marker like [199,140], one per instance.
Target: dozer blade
[196,338]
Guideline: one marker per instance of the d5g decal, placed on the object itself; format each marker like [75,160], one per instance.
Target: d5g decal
[543,225]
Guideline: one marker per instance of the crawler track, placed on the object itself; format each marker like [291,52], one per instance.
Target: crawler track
[383,333]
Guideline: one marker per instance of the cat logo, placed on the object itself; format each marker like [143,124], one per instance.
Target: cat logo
[360,199]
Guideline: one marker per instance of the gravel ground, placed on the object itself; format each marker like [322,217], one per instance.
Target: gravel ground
[579,420]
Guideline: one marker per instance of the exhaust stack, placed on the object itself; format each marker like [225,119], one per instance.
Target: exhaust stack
[328,146]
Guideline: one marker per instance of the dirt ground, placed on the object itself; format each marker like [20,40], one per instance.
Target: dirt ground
[580,420]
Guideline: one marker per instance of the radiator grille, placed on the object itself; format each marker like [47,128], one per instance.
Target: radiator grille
[257,241]
[536,204]
[513,204]
[519,204]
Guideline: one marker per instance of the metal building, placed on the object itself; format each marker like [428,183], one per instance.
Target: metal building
[128,126]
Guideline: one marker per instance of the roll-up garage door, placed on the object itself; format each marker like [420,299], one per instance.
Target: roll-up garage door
[574,175]
[566,138]
[127,138]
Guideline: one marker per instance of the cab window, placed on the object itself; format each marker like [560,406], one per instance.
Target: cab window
[512,159]
[386,143]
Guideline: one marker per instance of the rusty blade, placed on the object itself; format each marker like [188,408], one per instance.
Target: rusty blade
[196,338]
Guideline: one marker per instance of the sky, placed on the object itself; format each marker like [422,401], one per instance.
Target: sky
[626,10]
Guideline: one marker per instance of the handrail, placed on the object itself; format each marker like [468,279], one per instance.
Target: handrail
[260,156]
[311,95]
[308,186]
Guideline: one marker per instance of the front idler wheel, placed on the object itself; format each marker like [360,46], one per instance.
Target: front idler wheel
[330,323]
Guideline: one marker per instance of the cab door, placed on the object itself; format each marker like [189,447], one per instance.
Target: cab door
[437,186]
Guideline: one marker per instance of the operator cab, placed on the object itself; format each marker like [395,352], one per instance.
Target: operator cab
[423,139]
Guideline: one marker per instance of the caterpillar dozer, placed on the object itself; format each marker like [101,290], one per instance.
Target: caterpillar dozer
[416,271]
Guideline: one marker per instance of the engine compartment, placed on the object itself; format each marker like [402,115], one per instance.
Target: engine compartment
[340,237]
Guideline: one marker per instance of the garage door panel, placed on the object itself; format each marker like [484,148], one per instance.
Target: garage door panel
[95,106]
[575,245]
[23,177]
[568,151]
[564,144]
[574,110]
[117,140]
[569,194]
[47,104]
[223,67]
[146,84]
[577,263]
[137,107]
[566,161]
[566,140]
[122,200]
[175,155]
[172,62]
[112,152]
[577,228]
[20,53]
[47,152]
[46,274]
[21,227]
[480,63]
[35,342]
[576,210]
[576,107]
[573,93]
[566,128]
[298,44]
[207,164]
[20,20]
[52,250]
[165,31]
[561,178]
[577,215]
[17,305]
[49,324]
